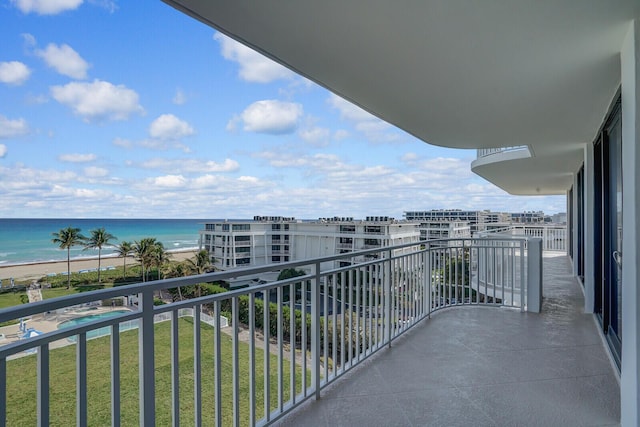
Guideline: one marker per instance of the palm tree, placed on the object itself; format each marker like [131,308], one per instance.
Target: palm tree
[99,238]
[143,250]
[179,269]
[65,239]
[160,257]
[200,264]
[123,250]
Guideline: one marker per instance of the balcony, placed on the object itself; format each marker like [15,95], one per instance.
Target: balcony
[427,336]
[484,367]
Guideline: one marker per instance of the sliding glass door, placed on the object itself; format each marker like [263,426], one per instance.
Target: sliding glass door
[608,220]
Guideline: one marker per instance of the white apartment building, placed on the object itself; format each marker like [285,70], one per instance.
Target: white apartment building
[475,219]
[434,230]
[274,239]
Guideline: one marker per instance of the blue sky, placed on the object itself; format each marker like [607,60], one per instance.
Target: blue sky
[132,109]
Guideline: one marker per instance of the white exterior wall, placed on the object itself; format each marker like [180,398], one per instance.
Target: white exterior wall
[589,230]
[306,240]
[630,370]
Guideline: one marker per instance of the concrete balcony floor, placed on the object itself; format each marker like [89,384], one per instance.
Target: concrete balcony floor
[480,366]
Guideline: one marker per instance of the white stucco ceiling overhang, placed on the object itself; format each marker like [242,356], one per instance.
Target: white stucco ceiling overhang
[460,74]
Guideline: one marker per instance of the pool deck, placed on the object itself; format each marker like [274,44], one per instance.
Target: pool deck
[49,323]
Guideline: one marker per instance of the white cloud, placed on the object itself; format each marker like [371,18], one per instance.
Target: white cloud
[10,128]
[108,5]
[316,136]
[340,134]
[29,40]
[180,97]
[164,144]
[32,99]
[169,181]
[191,165]
[409,157]
[271,116]
[14,73]
[95,172]
[169,127]
[77,158]
[64,60]
[98,100]
[121,142]
[254,67]
[3,150]
[46,7]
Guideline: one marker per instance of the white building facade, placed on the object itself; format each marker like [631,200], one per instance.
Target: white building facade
[274,239]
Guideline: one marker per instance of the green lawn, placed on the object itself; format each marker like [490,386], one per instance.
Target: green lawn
[9,299]
[21,380]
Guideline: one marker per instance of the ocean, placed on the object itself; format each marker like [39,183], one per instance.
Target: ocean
[25,241]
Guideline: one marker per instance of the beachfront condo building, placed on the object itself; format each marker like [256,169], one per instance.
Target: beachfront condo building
[275,239]
[490,331]
[477,220]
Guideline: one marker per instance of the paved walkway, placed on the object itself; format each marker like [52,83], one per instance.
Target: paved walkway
[480,366]
[34,294]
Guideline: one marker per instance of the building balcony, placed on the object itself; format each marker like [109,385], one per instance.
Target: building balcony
[471,365]
[345,245]
[422,337]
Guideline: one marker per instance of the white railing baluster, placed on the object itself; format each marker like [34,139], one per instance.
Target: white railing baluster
[236,362]
[266,325]
[304,336]
[325,329]
[115,375]
[315,331]
[334,317]
[280,350]
[197,366]
[292,343]
[43,386]
[217,365]
[523,285]
[146,358]
[175,369]
[81,380]
[342,319]
[3,392]
[252,359]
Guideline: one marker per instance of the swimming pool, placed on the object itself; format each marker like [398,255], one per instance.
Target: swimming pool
[100,331]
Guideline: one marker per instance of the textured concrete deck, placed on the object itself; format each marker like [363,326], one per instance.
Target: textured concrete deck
[480,366]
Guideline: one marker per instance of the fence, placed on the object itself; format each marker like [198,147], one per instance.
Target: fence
[285,341]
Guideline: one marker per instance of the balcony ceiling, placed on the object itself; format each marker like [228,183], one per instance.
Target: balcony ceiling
[459,74]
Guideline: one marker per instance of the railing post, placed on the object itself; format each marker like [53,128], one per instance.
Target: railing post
[534,275]
[388,299]
[428,277]
[315,332]
[146,359]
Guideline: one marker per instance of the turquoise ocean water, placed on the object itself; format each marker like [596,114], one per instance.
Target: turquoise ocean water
[29,240]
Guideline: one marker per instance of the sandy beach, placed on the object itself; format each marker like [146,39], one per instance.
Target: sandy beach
[37,270]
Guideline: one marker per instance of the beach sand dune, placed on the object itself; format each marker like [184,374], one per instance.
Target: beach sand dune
[37,270]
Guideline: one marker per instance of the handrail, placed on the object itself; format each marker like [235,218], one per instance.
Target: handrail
[339,313]
[484,152]
[554,236]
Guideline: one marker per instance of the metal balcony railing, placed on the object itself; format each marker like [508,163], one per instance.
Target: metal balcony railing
[285,341]
[484,152]
[554,236]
